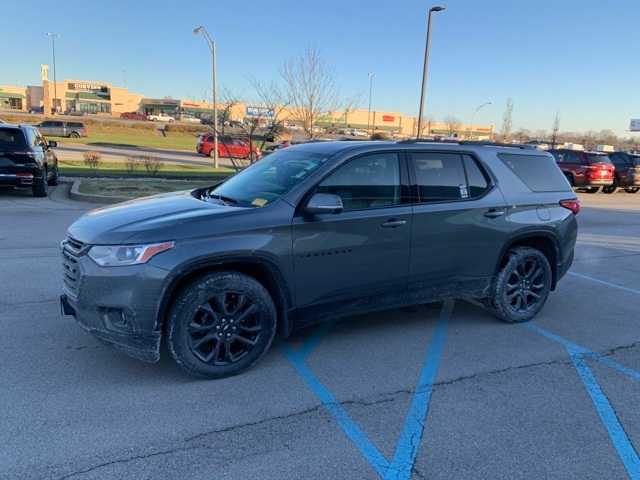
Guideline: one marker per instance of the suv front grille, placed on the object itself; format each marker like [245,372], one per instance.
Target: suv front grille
[72,249]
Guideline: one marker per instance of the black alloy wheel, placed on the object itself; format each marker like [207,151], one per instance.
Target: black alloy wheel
[522,285]
[224,328]
[221,324]
[525,285]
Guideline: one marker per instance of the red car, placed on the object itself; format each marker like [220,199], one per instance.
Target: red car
[133,116]
[585,170]
[227,147]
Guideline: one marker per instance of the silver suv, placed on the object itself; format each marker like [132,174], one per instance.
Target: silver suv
[317,231]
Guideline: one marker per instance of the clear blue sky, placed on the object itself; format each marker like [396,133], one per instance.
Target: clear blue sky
[581,57]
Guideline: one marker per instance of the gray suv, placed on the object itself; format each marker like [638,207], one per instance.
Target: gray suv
[55,128]
[318,231]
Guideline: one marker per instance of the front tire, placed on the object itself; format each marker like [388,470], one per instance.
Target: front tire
[522,286]
[591,189]
[609,189]
[74,135]
[53,181]
[221,325]
[632,189]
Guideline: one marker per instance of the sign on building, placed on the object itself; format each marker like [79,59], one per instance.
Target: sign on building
[634,126]
[388,118]
[260,112]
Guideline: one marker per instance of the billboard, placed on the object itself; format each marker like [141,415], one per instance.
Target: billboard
[634,126]
[260,112]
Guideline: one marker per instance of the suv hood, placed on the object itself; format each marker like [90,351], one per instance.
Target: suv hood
[169,216]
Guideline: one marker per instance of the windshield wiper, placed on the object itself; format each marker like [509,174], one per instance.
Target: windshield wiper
[226,200]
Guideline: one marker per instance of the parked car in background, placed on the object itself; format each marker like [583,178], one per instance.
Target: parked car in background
[27,159]
[314,232]
[359,133]
[584,169]
[627,173]
[189,119]
[56,128]
[133,116]
[227,147]
[161,118]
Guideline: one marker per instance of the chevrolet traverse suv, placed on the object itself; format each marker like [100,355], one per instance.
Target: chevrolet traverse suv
[316,231]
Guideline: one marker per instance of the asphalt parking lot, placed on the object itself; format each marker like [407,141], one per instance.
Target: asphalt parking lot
[441,391]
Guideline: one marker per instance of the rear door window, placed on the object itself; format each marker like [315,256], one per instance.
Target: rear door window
[538,172]
[440,177]
[477,180]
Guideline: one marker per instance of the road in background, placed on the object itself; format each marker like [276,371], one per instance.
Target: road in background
[508,401]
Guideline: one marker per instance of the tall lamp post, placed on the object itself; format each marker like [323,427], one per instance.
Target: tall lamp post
[473,116]
[371,77]
[53,37]
[212,46]
[423,91]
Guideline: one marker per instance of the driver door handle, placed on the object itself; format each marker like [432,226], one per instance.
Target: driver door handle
[494,213]
[393,223]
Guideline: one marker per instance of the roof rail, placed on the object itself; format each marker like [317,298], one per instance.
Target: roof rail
[482,143]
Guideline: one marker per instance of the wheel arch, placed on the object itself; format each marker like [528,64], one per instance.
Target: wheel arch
[258,268]
[543,240]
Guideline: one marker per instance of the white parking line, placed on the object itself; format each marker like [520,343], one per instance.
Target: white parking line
[603,282]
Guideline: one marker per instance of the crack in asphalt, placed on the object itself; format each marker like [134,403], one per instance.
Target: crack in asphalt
[388,397]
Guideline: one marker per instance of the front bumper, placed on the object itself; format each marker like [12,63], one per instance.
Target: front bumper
[118,305]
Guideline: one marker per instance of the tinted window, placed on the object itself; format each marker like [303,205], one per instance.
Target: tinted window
[11,139]
[476,179]
[539,173]
[367,182]
[75,125]
[32,138]
[635,159]
[595,158]
[440,177]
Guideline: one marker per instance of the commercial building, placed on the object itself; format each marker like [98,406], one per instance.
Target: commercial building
[103,99]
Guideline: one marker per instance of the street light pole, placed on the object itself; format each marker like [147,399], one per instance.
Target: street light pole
[473,116]
[53,37]
[371,77]
[212,47]
[423,91]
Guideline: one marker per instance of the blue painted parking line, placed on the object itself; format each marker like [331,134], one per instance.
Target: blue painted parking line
[580,350]
[400,468]
[607,414]
[603,282]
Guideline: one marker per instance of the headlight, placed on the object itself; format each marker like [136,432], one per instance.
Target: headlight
[121,255]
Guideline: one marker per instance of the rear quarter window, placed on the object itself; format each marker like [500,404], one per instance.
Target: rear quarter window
[538,172]
[75,125]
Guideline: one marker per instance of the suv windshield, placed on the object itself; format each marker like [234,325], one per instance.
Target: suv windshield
[596,158]
[270,178]
[11,139]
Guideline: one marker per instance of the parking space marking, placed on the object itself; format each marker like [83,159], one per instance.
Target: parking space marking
[603,282]
[400,468]
[607,414]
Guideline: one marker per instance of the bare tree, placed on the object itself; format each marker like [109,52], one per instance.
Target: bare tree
[507,121]
[555,130]
[452,124]
[311,88]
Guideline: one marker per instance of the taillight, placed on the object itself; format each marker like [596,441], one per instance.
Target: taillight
[572,204]
[24,175]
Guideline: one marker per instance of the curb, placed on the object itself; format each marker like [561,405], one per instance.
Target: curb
[74,194]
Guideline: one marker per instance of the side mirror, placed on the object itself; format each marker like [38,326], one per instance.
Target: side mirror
[324,203]
[52,144]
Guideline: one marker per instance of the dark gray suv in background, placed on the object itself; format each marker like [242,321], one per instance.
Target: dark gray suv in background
[316,231]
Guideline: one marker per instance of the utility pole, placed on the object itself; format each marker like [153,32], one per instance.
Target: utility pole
[423,91]
[371,77]
[212,47]
[53,37]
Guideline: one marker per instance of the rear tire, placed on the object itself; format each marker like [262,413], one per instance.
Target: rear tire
[40,187]
[221,325]
[74,135]
[53,181]
[592,189]
[522,286]
[609,189]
